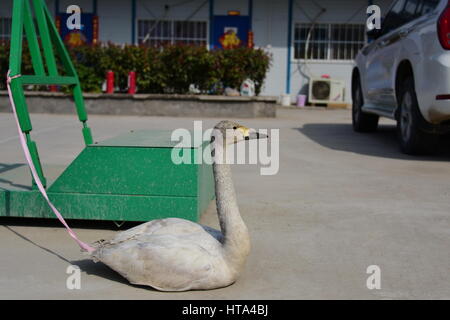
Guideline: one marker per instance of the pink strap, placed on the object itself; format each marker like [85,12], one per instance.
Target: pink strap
[41,188]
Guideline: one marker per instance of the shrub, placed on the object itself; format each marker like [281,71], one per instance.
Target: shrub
[27,66]
[234,66]
[186,65]
[171,69]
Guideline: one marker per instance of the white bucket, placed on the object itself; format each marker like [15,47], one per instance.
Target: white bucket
[285,100]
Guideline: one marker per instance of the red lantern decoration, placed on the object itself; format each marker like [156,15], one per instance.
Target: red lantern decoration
[58,24]
[95,32]
[250,41]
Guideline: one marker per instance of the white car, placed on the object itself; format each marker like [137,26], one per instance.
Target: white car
[404,74]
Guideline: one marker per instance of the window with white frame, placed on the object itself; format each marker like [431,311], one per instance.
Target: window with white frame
[163,32]
[328,41]
[5,28]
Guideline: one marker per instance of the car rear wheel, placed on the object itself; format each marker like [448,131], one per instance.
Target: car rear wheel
[362,122]
[412,139]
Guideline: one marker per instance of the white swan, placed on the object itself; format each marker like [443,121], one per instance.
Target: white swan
[178,255]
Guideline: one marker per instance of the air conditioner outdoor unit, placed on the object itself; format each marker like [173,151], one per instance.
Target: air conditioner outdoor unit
[326,91]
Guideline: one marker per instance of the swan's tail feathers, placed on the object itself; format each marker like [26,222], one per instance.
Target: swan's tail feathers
[98,246]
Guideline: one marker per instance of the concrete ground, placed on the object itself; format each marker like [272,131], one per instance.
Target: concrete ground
[341,202]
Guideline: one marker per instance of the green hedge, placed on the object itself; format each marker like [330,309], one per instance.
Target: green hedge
[169,70]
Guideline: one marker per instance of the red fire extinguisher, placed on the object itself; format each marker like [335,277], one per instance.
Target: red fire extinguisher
[132,82]
[110,82]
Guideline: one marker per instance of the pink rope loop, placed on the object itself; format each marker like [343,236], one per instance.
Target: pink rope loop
[84,246]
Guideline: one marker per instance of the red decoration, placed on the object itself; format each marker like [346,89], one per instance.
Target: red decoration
[132,82]
[95,32]
[58,24]
[250,41]
[110,82]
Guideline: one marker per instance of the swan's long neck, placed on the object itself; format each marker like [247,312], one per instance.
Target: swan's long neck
[236,237]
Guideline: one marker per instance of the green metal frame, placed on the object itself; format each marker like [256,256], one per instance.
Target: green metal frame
[44,74]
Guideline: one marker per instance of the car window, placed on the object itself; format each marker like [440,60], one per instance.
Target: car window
[393,19]
[427,6]
[405,11]
[410,12]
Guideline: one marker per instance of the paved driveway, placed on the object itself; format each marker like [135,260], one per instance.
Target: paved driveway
[340,203]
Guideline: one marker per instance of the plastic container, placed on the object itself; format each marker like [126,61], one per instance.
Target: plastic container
[248,88]
[301,100]
[285,100]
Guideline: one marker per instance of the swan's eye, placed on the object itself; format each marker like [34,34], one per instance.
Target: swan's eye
[234,128]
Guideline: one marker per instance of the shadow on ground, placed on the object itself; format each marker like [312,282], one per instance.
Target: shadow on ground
[86,265]
[35,244]
[54,223]
[103,271]
[5,167]
[99,269]
[382,143]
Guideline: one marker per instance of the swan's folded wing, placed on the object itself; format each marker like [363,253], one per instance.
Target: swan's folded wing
[162,226]
[165,263]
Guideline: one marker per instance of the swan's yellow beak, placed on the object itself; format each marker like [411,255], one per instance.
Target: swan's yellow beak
[250,135]
[245,131]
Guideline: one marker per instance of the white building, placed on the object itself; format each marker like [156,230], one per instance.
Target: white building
[281,27]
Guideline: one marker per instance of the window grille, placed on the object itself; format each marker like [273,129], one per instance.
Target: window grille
[5,28]
[328,41]
[158,33]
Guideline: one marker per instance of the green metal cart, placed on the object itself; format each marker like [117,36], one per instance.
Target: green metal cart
[127,178]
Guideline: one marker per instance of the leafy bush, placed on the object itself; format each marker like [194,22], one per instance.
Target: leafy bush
[234,66]
[172,69]
[186,65]
[27,67]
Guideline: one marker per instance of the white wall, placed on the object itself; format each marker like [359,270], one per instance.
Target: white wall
[221,7]
[85,5]
[6,7]
[115,20]
[195,10]
[270,27]
[151,9]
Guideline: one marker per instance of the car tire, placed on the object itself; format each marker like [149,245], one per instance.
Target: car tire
[413,140]
[362,122]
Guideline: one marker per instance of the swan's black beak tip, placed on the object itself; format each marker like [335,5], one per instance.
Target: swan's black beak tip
[256,135]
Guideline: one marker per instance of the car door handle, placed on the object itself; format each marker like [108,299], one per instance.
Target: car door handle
[383,43]
[403,33]
[394,38]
